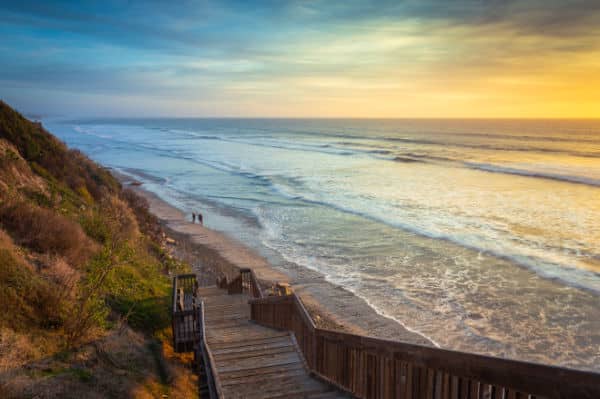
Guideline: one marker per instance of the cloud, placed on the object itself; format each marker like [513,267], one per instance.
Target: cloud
[239,53]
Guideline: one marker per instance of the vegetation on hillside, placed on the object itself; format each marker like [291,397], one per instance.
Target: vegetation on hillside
[84,284]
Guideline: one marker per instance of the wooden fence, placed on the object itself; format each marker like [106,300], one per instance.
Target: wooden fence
[245,281]
[208,361]
[188,326]
[375,368]
[186,313]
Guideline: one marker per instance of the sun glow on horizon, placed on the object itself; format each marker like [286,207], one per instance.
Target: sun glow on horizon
[526,59]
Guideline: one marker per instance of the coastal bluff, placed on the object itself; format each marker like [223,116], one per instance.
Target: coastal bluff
[84,278]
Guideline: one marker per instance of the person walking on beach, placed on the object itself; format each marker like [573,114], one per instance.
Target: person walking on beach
[200,218]
[194,217]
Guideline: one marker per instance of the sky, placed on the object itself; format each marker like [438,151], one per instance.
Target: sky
[392,59]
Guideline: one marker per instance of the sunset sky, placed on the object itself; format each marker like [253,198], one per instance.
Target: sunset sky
[413,58]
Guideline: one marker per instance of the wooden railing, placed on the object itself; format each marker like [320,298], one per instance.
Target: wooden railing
[188,326]
[250,283]
[245,281]
[185,315]
[375,368]
[214,387]
[235,286]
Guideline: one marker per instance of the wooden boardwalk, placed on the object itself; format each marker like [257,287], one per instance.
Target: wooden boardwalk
[252,361]
[248,345]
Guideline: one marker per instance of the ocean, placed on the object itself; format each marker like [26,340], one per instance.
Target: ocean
[481,235]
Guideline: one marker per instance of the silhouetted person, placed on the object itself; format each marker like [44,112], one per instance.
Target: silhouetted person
[200,218]
[194,217]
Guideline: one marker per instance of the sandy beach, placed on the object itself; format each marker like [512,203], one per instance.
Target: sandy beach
[211,253]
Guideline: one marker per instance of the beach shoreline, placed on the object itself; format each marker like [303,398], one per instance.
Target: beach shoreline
[211,253]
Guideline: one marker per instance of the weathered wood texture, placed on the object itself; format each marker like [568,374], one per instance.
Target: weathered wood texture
[244,282]
[250,283]
[375,368]
[253,361]
[186,315]
[189,329]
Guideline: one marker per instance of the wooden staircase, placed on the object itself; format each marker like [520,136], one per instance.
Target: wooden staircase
[249,345]
[252,361]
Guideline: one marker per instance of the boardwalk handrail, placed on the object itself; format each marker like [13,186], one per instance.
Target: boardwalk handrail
[187,282]
[245,281]
[214,385]
[376,368]
[250,283]
[185,316]
[189,327]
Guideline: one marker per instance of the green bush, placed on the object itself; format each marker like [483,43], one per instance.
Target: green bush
[26,297]
[95,227]
[38,198]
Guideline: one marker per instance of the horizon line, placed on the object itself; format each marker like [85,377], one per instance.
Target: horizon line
[505,118]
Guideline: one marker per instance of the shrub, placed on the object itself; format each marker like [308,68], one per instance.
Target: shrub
[26,297]
[96,227]
[38,197]
[148,223]
[90,310]
[85,194]
[120,218]
[52,156]
[59,272]
[46,231]
[150,314]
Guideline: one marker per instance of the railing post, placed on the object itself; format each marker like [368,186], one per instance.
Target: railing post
[370,367]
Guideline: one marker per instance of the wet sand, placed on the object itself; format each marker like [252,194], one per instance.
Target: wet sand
[211,253]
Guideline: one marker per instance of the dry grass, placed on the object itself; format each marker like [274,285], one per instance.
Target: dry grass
[147,222]
[63,275]
[123,221]
[17,349]
[27,300]
[118,365]
[15,172]
[52,158]
[46,231]
[6,242]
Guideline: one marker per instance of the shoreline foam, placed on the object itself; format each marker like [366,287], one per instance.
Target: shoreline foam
[336,307]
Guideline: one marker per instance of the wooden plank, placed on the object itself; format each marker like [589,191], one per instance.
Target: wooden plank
[454,387]
[237,336]
[438,392]
[474,392]
[288,394]
[249,359]
[248,342]
[267,344]
[464,388]
[327,395]
[484,391]
[250,365]
[263,374]
[264,370]
[408,393]
[263,377]
[430,387]
[180,299]
[262,354]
